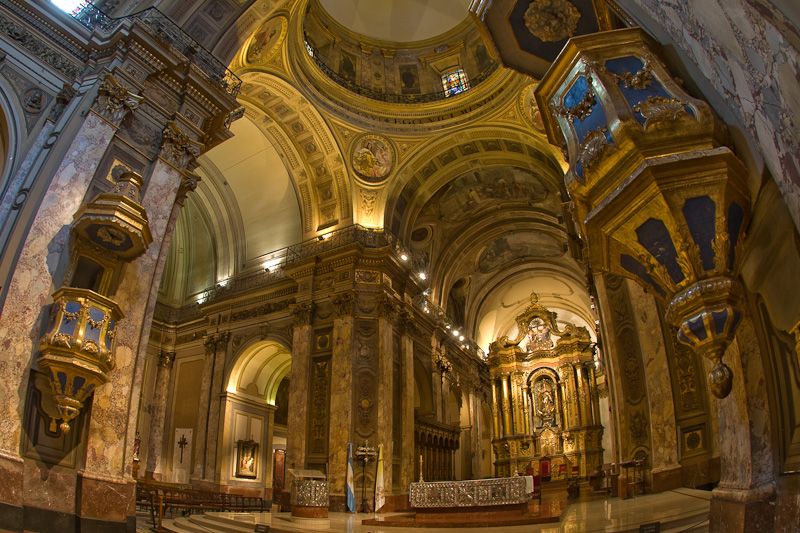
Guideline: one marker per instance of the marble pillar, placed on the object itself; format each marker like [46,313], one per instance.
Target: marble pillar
[495,410]
[385,375]
[211,470]
[407,458]
[155,444]
[106,489]
[341,395]
[297,425]
[744,498]
[665,468]
[29,290]
[198,469]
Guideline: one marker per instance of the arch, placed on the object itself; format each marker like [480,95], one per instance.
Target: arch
[259,369]
[11,134]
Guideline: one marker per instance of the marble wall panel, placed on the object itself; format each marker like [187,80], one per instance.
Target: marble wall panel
[32,284]
[745,51]
[111,428]
[664,453]
[341,417]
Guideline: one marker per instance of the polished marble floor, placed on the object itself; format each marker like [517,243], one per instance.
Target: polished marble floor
[677,510]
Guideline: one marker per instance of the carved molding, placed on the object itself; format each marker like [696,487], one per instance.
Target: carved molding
[178,148]
[114,101]
[303,314]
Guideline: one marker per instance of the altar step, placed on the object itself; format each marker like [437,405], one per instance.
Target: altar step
[214,522]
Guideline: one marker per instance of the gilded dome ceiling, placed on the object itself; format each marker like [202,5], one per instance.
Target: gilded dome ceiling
[399,21]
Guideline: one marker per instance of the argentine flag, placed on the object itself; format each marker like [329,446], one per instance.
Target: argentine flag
[380,496]
[349,491]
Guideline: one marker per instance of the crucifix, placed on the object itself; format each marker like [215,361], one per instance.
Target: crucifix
[182,444]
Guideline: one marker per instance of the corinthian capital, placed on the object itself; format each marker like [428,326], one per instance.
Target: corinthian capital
[114,101]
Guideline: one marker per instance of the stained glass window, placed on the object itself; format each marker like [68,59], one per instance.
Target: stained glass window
[455,82]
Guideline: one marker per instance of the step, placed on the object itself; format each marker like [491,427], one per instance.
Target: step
[222,524]
[181,525]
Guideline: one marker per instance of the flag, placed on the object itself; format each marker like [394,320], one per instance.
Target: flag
[380,497]
[350,493]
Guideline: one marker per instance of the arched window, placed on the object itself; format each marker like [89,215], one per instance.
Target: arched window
[454,82]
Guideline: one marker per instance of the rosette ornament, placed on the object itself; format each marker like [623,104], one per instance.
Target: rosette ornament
[658,196]
[78,349]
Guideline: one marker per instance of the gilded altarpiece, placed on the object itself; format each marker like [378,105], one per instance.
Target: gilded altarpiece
[546,409]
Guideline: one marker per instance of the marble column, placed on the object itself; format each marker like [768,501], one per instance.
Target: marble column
[665,468]
[385,375]
[211,470]
[106,489]
[743,499]
[198,469]
[341,395]
[155,443]
[297,425]
[407,456]
[29,290]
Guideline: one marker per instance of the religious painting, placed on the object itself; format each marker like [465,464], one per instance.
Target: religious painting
[246,459]
[544,393]
[487,189]
[520,245]
[539,335]
[409,79]
[372,157]
[347,66]
[482,57]
[266,41]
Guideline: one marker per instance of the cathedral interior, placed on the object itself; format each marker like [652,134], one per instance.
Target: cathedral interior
[494,237]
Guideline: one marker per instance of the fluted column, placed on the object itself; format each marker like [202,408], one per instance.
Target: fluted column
[496,409]
[571,414]
[297,425]
[526,409]
[517,412]
[508,428]
[155,441]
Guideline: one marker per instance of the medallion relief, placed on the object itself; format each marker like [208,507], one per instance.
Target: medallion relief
[372,157]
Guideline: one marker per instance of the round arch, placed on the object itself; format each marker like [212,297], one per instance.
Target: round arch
[259,369]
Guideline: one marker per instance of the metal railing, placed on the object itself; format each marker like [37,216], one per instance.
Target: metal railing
[366,237]
[168,33]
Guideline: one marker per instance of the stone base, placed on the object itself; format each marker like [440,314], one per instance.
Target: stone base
[36,519]
[665,479]
[739,510]
[309,512]
[11,472]
[105,500]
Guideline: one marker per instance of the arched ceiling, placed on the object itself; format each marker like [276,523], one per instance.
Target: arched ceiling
[259,370]
[399,21]
[249,165]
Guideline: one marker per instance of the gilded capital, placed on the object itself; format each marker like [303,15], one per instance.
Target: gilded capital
[344,304]
[165,359]
[177,147]
[114,101]
[303,314]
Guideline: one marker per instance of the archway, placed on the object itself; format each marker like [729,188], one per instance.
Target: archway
[255,391]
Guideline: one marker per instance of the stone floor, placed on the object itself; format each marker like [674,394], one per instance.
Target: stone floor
[680,510]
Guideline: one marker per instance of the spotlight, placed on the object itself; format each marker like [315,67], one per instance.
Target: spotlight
[403,257]
[461,338]
[455,333]
[423,276]
[447,326]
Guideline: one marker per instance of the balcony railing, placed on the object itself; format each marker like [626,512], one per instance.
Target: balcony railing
[168,33]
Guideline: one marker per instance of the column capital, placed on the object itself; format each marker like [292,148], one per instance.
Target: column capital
[114,100]
[344,304]
[166,359]
[303,313]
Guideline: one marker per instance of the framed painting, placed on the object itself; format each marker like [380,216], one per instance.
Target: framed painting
[246,459]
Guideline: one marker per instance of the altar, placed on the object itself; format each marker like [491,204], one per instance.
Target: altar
[480,503]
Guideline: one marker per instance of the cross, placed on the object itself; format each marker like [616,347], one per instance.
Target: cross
[182,444]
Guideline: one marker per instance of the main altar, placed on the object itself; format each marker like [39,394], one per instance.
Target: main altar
[546,411]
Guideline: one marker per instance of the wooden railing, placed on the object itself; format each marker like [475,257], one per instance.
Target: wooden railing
[159,500]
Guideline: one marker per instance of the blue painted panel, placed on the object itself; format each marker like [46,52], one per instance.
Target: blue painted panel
[735,220]
[632,65]
[594,120]
[62,379]
[94,333]
[655,238]
[698,327]
[576,93]
[637,269]
[77,383]
[720,319]
[700,214]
